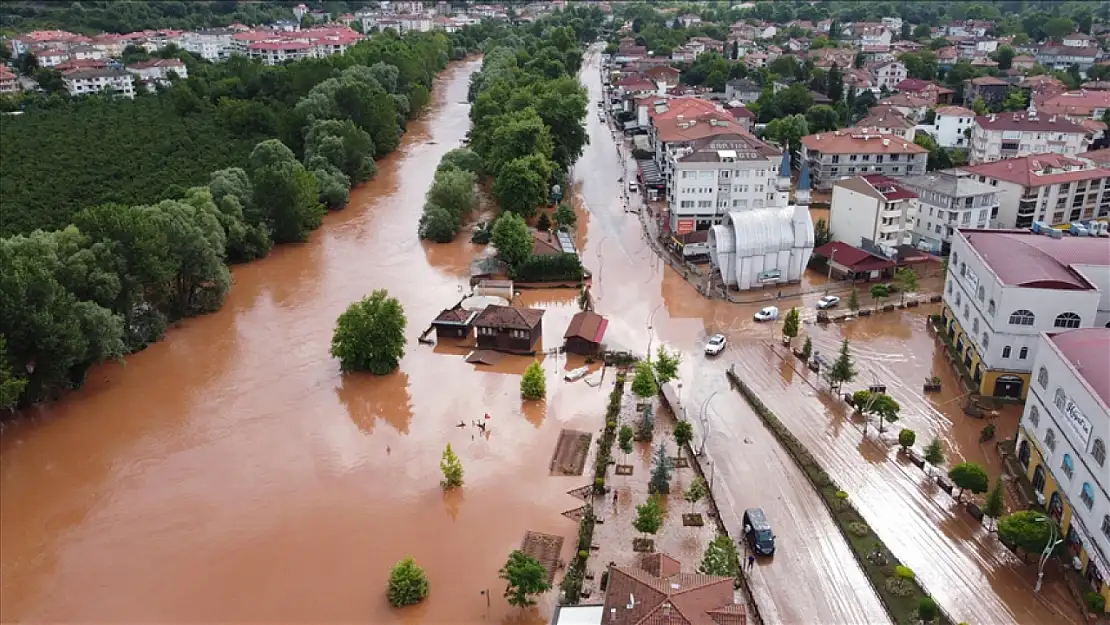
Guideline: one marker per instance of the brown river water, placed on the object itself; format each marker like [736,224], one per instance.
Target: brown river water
[231,473]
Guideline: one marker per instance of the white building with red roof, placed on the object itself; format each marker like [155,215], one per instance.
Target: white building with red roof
[1074,105]
[852,151]
[1009,135]
[1048,188]
[9,82]
[158,71]
[1062,439]
[872,210]
[1006,287]
[952,127]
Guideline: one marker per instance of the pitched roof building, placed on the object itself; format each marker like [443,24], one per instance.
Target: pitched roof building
[658,593]
[852,151]
[1048,188]
[1008,135]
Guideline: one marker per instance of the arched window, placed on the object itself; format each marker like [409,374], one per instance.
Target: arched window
[1098,450]
[1034,415]
[990,307]
[1067,465]
[986,339]
[975,325]
[1050,439]
[1060,398]
[1066,320]
[1024,353]
[1042,377]
[1006,352]
[982,293]
[1106,526]
[1087,495]
[1022,318]
[967,311]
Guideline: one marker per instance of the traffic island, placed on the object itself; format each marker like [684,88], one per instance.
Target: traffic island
[894,584]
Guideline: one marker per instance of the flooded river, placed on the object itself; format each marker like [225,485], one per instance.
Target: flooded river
[230,473]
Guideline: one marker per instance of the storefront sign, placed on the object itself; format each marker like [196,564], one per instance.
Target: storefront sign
[1077,420]
[769,276]
[685,226]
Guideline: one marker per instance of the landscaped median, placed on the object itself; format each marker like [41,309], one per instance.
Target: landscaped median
[904,598]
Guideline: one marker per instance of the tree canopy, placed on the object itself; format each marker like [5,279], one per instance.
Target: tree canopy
[370,335]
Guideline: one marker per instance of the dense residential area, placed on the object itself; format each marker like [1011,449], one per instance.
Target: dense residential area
[582,313]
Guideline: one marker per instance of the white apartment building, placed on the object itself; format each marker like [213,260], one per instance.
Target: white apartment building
[872,209]
[88,81]
[1005,287]
[851,151]
[721,174]
[888,74]
[212,45]
[1061,443]
[9,82]
[952,127]
[1052,189]
[949,200]
[1007,135]
[158,71]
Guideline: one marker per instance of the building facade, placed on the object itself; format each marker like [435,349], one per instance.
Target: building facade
[89,81]
[1061,443]
[1006,287]
[952,127]
[949,200]
[1008,135]
[1051,189]
[872,208]
[852,151]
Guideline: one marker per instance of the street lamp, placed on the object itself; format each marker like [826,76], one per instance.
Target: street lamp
[832,255]
[650,328]
[1049,547]
[705,422]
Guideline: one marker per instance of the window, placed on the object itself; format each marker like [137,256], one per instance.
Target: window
[986,340]
[967,311]
[955,256]
[1066,320]
[1042,377]
[1060,399]
[959,300]
[1098,450]
[975,325]
[1006,352]
[1050,439]
[982,293]
[1087,495]
[1068,466]
[1022,318]
[724,173]
[1024,353]
[1034,415]
[990,307]
[963,270]
[1106,526]
[949,287]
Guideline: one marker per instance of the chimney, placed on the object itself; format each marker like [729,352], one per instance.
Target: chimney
[886,142]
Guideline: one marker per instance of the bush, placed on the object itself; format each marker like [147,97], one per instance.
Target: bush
[533,385]
[900,587]
[1096,603]
[927,609]
[407,584]
[548,268]
[859,528]
[906,438]
[904,572]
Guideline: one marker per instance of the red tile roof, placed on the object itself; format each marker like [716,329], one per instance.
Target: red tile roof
[1038,170]
[509,318]
[677,599]
[1075,103]
[860,141]
[1099,157]
[587,325]
[1022,258]
[955,111]
[853,258]
[885,116]
[1028,122]
[1088,350]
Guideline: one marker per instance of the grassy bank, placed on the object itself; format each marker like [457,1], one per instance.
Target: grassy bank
[900,593]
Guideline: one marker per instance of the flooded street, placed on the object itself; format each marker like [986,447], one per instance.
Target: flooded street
[230,473]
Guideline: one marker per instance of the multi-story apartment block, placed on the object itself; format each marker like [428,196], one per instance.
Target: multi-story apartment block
[887,73]
[1006,287]
[1007,135]
[9,82]
[88,81]
[720,174]
[1074,105]
[158,71]
[1062,57]
[952,127]
[872,210]
[853,151]
[1061,444]
[1056,190]
[992,90]
[889,120]
[949,200]
[212,45]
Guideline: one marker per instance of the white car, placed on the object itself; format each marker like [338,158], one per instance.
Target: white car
[633,187]
[769,313]
[716,345]
[829,301]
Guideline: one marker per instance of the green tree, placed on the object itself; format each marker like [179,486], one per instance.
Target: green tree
[879,292]
[843,369]
[343,145]
[524,577]
[521,185]
[834,82]
[625,438]
[969,476]
[660,482]
[683,434]
[906,438]
[665,365]
[1017,100]
[518,135]
[11,385]
[543,223]
[1004,56]
[1030,530]
[821,234]
[853,300]
[927,610]
[649,516]
[695,492]
[286,191]
[880,405]
[564,216]
[512,239]
[720,558]
[408,584]
[1056,27]
[454,190]
[461,158]
[906,280]
[979,106]
[452,469]
[922,31]
[370,335]
[643,382]
[788,131]
[807,349]
[995,505]
[790,324]
[533,385]
[438,224]
[934,453]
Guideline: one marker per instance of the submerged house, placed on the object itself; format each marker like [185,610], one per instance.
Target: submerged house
[454,323]
[585,333]
[509,329]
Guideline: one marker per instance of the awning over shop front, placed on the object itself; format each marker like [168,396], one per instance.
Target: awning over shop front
[649,173]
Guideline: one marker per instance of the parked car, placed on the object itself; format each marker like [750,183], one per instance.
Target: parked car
[716,345]
[758,532]
[769,313]
[829,301]
[632,186]
[601,116]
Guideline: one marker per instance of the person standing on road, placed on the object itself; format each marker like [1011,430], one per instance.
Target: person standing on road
[751,562]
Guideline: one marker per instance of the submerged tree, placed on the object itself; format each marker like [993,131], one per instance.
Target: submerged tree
[370,335]
[525,577]
[533,385]
[407,584]
[697,491]
[934,454]
[452,469]
[790,324]
[843,369]
[660,472]
[643,382]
